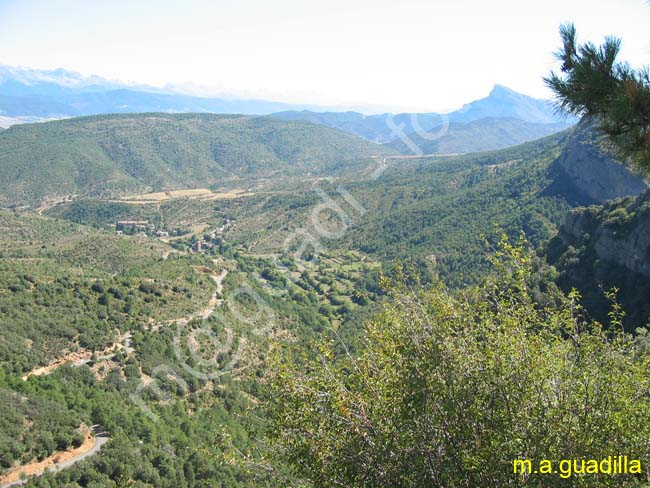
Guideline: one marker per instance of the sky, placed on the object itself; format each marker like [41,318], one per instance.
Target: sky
[422,55]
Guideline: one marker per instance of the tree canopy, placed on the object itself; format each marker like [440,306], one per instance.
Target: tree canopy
[448,390]
[593,83]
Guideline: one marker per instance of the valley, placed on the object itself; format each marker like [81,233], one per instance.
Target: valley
[125,359]
[160,315]
[324,244]
[157,271]
[390,216]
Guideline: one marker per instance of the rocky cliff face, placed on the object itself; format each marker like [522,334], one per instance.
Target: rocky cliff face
[607,246]
[619,232]
[587,171]
[601,247]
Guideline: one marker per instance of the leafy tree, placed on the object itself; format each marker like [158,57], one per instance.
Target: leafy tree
[448,390]
[593,83]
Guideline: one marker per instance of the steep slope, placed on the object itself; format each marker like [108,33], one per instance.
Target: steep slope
[117,154]
[602,247]
[588,170]
[479,135]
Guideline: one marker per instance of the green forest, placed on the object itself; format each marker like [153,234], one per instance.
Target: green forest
[196,300]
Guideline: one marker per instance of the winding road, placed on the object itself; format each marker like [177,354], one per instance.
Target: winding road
[95,440]
[53,463]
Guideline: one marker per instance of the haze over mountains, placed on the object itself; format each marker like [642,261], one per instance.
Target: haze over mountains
[501,119]
[101,258]
[502,102]
[32,95]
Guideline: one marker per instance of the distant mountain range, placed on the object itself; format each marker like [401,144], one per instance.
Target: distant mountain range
[501,103]
[29,95]
[501,119]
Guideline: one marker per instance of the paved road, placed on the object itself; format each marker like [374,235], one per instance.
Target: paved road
[100,440]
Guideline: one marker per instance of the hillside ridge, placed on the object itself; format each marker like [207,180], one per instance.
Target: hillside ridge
[110,155]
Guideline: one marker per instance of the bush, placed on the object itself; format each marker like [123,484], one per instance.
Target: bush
[448,391]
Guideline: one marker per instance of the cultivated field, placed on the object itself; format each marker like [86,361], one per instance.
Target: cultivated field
[193,194]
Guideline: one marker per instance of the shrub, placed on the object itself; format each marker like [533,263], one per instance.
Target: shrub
[448,390]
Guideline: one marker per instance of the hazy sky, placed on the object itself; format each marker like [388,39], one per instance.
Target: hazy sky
[406,54]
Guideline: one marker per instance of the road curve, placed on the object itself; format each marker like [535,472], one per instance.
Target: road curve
[99,441]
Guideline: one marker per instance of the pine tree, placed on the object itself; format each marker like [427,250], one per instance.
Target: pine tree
[593,83]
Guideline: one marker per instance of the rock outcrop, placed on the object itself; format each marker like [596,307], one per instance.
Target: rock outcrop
[602,247]
[587,171]
[619,232]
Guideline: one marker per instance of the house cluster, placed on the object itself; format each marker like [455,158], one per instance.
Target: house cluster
[197,244]
[211,239]
[202,245]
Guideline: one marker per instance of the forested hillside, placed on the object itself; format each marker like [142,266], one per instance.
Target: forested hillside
[478,135]
[201,288]
[118,331]
[127,154]
[437,211]
[66,288]
[433,210]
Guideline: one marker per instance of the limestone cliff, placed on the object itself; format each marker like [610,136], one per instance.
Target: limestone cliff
[601,247]
[587,171]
